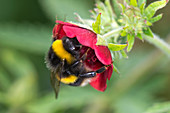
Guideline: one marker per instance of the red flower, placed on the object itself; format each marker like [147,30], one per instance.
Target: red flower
[98,56]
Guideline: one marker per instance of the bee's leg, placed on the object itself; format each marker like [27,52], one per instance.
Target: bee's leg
[77,66]
[72,46]
[62,67]
[76,63]
[80,60]
[94,73]
[89,75]
[83,57]
[64,70]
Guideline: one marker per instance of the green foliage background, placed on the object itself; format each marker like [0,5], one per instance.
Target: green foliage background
[25,37]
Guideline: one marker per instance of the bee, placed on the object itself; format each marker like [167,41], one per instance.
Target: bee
[67,59]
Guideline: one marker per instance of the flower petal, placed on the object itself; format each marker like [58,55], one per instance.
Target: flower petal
[103,54]
[84,36]
[99,82]
[109,72]
[58,31]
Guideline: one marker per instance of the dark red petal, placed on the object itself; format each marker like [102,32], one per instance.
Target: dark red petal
[84,36]
[109,72]
[58,31]
[103,54]
[91,60]
[99,82]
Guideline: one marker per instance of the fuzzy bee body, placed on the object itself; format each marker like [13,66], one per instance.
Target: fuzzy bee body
[66,60]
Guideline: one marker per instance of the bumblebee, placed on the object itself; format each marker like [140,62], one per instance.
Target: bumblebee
[66,60]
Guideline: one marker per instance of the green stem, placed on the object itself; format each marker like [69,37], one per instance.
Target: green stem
[102,39]
[159,43]
[112,32]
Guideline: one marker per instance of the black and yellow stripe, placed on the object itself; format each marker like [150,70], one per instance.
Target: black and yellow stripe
[67,80]
[59,50]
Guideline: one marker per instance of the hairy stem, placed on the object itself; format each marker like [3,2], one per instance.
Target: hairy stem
[112,32]
[156,40]
[159,43]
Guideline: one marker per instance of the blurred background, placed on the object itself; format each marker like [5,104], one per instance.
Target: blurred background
[25,37]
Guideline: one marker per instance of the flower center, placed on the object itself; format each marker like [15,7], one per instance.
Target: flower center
[91,60]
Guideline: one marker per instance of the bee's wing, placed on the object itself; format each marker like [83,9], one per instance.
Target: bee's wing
[55,83]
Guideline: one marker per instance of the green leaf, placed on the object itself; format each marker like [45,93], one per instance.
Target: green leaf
[153,7]
[156,18]
[116,8]
[96,26]
[116,47]
[159,108]
[123,53]
[139,36]
[142,7]
[115,69]
[140,2]
[130,39]
[122,7]
[133,3]
[148,23]
[123,33]
[148,31]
